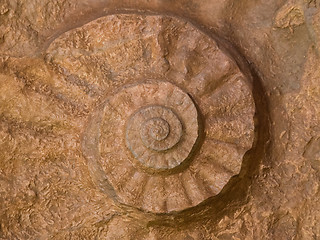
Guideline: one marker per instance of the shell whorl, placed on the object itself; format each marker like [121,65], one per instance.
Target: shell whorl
[161,128]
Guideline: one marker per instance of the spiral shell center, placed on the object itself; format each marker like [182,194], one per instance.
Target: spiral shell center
[159,134]
[156,128]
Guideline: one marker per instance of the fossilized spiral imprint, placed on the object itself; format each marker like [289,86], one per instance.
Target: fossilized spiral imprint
[160,74]
[161,128]
[158,137]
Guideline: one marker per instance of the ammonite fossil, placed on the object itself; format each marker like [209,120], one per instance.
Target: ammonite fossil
[172,113]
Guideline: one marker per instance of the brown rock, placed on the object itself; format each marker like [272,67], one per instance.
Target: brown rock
[159,119]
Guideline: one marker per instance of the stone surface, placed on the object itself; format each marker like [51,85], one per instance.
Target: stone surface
[56,75]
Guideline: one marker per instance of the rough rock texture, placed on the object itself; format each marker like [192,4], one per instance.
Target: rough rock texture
[233,58]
